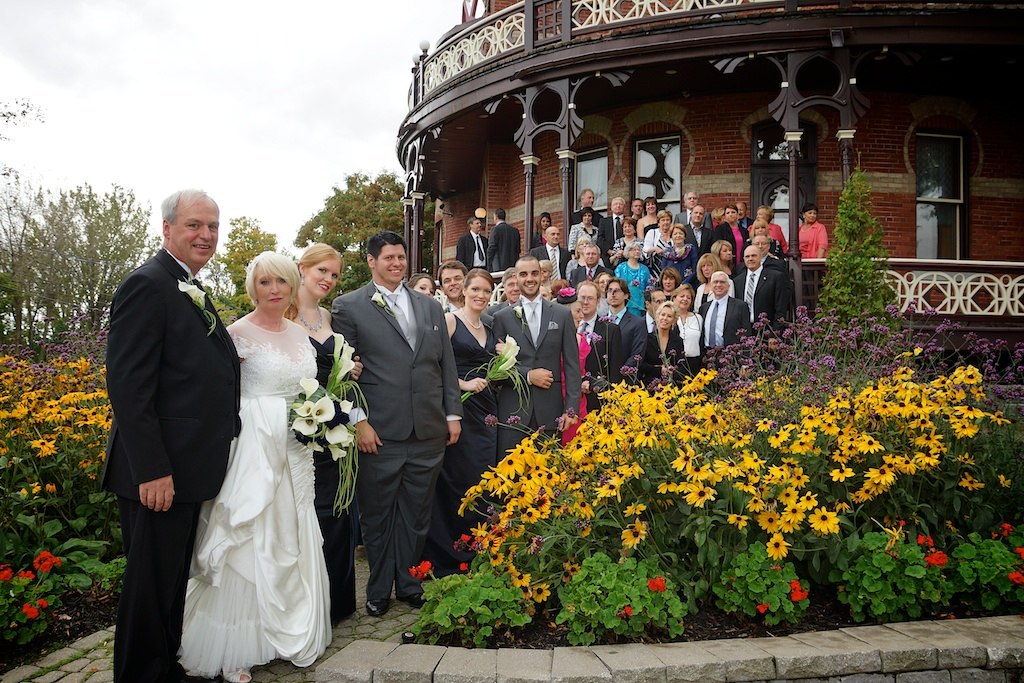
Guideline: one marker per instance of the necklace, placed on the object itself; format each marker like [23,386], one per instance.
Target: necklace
[312,327]
[479,325]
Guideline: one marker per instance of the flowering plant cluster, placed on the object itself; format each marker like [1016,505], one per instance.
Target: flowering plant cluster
[320,419]
[758,586]
[28,598]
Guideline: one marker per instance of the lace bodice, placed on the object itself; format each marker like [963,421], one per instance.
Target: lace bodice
[272,362]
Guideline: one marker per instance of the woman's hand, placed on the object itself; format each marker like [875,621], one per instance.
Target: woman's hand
[475,385]
[357,369]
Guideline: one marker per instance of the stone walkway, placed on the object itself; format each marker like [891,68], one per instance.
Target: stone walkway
[369,650]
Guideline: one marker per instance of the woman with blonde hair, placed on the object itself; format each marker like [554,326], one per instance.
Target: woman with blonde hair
[708,265]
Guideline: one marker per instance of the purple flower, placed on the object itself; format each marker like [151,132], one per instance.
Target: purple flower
[491,420]
[513,420]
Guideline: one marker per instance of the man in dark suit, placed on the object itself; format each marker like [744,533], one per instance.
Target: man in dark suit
[610,228]
[696,234]
[504,247]
[685,217]
[411,388]
[587,198]
[510,291]
[590,268]
[603,365]
[173,382]
[762,288]
[632,328]
[553,251]
[723,316]
[547,346]
[471,248]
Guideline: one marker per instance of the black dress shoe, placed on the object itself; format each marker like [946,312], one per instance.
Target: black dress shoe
[378,608]
[414,600]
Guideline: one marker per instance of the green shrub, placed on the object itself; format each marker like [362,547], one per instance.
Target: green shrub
[754,584]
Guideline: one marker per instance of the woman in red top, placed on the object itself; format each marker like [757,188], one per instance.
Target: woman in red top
[813,236]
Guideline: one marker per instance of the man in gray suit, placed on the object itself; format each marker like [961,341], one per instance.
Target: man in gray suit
[412,396]
[547,346]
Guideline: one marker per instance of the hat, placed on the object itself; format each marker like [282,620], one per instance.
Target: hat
[566,296]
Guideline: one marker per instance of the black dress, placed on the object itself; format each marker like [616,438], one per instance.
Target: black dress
[339,548]
[465,461]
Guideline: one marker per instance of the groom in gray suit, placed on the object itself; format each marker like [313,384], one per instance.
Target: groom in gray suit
[412,396]
[547,348]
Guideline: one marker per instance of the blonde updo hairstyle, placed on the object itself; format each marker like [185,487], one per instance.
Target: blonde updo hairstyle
[275,265]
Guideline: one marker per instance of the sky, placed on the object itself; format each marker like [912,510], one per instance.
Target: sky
[266,105]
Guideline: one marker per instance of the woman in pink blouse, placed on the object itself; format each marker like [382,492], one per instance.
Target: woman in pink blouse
[813,236]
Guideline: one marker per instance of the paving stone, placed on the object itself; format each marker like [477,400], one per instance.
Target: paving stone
[354,663]
[75,677]
[866,678]
[899,652]
[463,665]
[923,677]
[1005,649]
[821,655]
[524,666]
[690,663]
[91,641]
[631,663]
[744,659]
[56,657]
[22,673]
[102,677]
[51,677]
[977,676]
[75,665]
[409,664]
[953,650]
[577,665]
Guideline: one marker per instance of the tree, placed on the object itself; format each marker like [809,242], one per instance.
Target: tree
[351,215]
[11,114]
[855,282]
[246,241]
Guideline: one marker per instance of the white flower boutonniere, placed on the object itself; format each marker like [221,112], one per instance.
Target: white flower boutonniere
[198,297]
[378,299]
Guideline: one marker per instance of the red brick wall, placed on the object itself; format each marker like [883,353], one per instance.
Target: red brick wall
[716,159]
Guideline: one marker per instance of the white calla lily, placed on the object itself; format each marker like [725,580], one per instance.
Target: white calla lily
[304,409]
[339,435]
[323,410]
[305,425]
[309,386]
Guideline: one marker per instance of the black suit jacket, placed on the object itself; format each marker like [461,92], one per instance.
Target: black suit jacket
[707,238]
[606,234]
[634,338]
[605,359]
[771,296]
[173,387]
[580,274]
[681,218]
[466,248]
[504,248]
[541,253]
[577,217]
[675,356]
[737,317]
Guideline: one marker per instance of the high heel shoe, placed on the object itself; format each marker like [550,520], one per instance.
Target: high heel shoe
[238,676]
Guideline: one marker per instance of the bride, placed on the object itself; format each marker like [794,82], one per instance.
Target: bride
[259,587]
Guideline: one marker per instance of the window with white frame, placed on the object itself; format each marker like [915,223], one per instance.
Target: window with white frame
[657,170]
[592,172]
[941,225]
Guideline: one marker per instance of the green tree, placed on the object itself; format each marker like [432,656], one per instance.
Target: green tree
[350,215]
[246,241]
[855,282]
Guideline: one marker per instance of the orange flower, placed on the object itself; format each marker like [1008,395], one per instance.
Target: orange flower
[421,570]
[42,603]
[657,584]
[6,573]
[763,607]
[46,561]
[936,558]
[31,611]
[1016,577]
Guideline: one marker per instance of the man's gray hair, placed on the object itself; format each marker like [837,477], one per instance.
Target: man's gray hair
[169,207]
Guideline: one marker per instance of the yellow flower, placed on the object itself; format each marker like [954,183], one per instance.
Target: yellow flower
[824,522]
[634,533]
[44,447]
[880,476]
[777,547]
[970,483]
[769,521]
[634,509]
[791,519]
[699,495]
[541,592]
[1004,482]
[52,488]
[738,521]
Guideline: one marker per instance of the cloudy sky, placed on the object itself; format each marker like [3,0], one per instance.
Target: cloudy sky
[264,104]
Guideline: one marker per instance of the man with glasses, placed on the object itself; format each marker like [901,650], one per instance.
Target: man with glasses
[603,365]
[634,334]
[723,316]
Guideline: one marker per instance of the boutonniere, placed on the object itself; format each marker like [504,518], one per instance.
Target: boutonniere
[198,297]
[378,299]
[519,312]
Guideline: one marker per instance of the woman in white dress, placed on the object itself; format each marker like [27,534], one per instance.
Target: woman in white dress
[259,586]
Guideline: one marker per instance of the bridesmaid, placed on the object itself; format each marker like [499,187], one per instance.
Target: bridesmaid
[320,268]
[477,449]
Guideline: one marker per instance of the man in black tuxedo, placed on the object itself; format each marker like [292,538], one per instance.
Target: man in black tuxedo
[412,395]
[685,216]
[504,248]
[173,382]
[587,198]
[723,316]
[696,234]
[471,248]
[762,288]
[610,228]
[634,332]
[590,268]
[553,251]
[603,365]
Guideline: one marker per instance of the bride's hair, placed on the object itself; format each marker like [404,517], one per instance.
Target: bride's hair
[276,265]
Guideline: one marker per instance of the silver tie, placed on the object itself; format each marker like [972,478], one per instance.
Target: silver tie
[713,338]
[403,321]
[535,321]
[748,296]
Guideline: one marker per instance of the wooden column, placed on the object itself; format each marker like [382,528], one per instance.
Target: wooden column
[793,145]
[566,165]
[845,137]
[529,168]
[415,243]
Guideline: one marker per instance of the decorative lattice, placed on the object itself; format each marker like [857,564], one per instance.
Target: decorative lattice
[498,36]
[960,293]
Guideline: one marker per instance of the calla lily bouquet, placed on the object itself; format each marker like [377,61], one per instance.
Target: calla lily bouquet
[320,419]
[503,367]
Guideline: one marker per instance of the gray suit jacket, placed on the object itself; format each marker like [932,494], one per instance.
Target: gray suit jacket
[407,392]
[556,350]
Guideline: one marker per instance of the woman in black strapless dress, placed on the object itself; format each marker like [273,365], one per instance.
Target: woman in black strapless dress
[477,447]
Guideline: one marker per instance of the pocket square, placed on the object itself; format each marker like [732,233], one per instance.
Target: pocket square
[435,328]
[552,325]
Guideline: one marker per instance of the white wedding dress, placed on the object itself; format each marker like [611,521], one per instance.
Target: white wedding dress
[259,586]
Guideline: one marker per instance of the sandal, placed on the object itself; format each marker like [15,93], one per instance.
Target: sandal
[238,676]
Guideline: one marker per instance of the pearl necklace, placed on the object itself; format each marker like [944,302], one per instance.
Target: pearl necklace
[478,326]
[311,327]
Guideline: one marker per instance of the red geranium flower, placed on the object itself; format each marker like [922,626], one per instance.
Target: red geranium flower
[31,611]
[936,558]
[464,566]
[627,611]
[798,594]
[1005,529]
[42,603]
[421,570]
[26,574]
[1020,552]
[6,573]
[763,607]
[46,561]
[1016,577]
[657,584]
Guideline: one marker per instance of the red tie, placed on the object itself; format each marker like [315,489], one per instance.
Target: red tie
[590,273]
